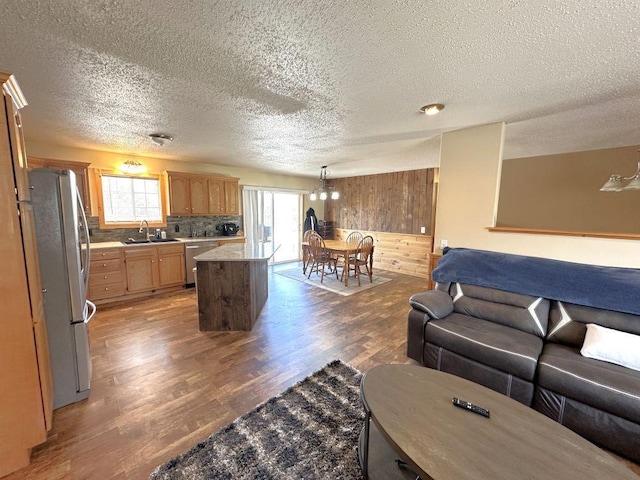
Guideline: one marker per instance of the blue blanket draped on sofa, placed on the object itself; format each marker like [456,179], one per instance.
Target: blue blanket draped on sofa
[610,288]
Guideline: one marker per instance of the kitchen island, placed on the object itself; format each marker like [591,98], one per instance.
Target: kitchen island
[232,283]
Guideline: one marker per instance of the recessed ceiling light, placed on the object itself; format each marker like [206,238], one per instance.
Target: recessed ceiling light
[160,139]
[432,108]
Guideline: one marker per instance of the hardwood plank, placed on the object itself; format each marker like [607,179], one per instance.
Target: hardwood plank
[160,386]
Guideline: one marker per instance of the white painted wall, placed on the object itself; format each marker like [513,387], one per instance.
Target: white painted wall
[470,162]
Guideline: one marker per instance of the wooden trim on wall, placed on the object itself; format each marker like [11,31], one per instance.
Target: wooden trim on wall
[537,231]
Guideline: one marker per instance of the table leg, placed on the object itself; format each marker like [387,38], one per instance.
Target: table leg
[346,264]
[365,447]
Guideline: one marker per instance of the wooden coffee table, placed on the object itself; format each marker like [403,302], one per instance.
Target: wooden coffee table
[411,406]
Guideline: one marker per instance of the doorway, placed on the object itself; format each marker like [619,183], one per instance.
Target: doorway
[274,216]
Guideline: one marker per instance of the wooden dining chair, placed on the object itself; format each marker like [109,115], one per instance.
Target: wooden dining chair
[353,239]
[361,258]
[306,250]
[321,259]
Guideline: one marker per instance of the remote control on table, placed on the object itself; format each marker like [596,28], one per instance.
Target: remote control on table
[471,407]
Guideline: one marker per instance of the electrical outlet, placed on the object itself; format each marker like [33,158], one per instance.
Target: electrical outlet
[444,243]
[423,229]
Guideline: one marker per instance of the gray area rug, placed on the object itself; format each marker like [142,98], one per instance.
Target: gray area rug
[310,431]
[330,283]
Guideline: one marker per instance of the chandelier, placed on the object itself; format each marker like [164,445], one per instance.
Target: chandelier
[614,184]
[324,191]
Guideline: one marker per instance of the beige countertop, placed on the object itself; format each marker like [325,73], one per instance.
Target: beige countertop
[239,252]
[99,245]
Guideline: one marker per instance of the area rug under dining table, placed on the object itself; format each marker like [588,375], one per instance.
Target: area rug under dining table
[309,431]
[332,284]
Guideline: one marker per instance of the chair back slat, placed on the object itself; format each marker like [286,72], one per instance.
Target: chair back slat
[354,238]
[365,247]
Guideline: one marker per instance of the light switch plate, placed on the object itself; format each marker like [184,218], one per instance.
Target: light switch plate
[444,243]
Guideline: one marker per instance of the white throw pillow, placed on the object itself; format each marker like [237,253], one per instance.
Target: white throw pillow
[612,346]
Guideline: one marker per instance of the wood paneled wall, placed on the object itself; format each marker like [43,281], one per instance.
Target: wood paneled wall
[398,252]
[399,202]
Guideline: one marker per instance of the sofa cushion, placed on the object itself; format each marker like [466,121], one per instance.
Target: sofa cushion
[612,346]
[603,385]
[567,322]
[504,348]
[524,312]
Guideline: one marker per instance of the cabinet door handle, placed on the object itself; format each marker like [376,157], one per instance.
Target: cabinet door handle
[44,290]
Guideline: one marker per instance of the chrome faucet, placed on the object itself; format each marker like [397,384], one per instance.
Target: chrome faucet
[147,227]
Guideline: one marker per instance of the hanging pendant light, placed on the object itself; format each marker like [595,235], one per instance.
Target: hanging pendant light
[324,191]
[615,182]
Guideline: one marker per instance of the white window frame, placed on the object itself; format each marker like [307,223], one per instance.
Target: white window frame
[162,222]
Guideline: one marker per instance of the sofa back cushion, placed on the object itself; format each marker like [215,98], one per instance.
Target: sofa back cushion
[567,322]
[524,312]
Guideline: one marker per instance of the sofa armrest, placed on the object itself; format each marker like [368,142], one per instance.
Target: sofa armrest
[434,303]
[425,306]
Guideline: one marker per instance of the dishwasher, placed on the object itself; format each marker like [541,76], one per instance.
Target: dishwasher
[193,249]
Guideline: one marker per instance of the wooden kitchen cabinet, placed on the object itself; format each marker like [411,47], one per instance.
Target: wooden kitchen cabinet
[180,201]
[223,196]
[151,267]
[108,276]
[79,168]
[171,265]
[27,400]
[203,195]
[188,195]
[142,268]
[199,195]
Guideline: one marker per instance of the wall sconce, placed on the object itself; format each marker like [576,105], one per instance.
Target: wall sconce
[132,167]
[324,192]
[614,184]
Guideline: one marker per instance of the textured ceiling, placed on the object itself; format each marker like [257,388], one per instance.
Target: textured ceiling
[288,86]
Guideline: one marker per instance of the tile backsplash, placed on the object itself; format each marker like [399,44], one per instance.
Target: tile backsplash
[205,226]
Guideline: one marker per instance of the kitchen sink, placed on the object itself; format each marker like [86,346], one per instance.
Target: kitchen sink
[135,241]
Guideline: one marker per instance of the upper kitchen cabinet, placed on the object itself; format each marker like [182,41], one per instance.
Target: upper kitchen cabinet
[223,196]
[79,168]
[25,373]
[202,195]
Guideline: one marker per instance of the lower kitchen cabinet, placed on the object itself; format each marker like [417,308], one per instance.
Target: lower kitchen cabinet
[151,267]
[171,265]
[107,278]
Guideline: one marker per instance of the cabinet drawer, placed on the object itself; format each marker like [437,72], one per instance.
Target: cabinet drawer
[105,277]
[99,292]
[175,248]
[105,254]
[100,266]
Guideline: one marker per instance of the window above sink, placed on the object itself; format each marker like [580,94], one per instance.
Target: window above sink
[125,200]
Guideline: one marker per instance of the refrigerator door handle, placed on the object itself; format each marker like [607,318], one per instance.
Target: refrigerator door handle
[85,226]
[87,318]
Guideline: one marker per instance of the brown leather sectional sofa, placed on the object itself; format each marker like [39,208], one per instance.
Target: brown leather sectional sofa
[528,348]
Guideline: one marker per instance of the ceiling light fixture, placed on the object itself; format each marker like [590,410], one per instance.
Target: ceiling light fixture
[132,166]
[614,184]
[324,191]
[160,139]
[432,108]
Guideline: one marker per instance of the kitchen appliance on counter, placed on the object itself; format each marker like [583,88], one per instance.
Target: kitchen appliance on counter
[63,249]
[193,249]
[227,229]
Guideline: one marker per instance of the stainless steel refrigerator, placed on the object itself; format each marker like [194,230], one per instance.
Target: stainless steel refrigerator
[63,249]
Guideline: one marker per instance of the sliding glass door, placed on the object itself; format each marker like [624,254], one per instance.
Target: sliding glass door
[274,216]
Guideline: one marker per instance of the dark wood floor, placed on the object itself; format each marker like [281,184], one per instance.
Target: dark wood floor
[159,385]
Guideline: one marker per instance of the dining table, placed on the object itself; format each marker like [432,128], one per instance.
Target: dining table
[338,247]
